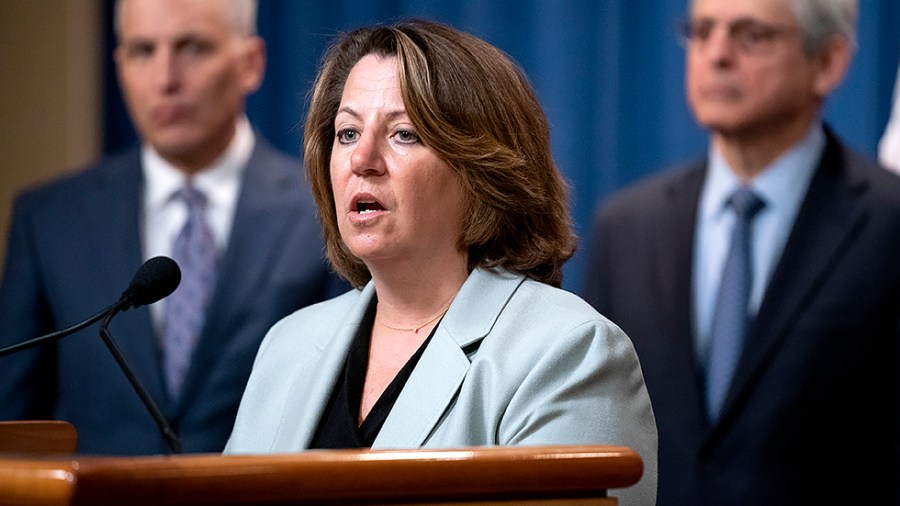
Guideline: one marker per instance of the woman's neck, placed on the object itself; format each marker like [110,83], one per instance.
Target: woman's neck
[408,297]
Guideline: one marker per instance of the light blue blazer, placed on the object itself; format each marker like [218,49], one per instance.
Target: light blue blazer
[513,362]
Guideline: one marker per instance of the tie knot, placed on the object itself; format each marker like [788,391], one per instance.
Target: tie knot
[194,198]
[745,202]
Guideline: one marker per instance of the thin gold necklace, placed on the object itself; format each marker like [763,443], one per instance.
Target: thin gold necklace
[418,327]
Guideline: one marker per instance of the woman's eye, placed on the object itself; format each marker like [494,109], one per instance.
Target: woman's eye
[406,136]
[347,136]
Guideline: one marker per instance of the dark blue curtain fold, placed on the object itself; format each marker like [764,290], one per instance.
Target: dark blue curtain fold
[608,72]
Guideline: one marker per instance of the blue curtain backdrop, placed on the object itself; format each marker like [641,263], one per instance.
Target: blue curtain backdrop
[609,74]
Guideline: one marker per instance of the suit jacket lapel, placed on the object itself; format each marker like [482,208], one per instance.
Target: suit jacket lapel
[431,387]
[674,254]
[826,223]
[269,197]
[674,263]
[443,366]
[119,253]
[261,222]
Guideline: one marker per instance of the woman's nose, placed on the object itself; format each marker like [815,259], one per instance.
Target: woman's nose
[367,157]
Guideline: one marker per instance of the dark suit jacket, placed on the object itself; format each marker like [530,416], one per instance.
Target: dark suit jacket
[74,246]
[813,408]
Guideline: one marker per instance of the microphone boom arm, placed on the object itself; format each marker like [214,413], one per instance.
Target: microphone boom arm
[154,280]
[169,435]
[59,334]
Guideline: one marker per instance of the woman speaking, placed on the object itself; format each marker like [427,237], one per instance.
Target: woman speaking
[429,158]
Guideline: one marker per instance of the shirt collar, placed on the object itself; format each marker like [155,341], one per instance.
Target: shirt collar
[217,182]
[783,181]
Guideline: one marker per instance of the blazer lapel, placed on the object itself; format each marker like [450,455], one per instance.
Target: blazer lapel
[825,226]
[269,197]
[674,266]
[426,395]
[262,222]
[307,400]
[119,253]
[443,366]
[431,387]
[674,254]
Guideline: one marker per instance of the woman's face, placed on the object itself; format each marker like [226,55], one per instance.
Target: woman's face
[395,200]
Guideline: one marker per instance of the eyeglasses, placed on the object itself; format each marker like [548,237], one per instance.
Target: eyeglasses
[750,36]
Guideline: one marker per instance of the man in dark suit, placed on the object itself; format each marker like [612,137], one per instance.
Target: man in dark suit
[780,387]
[186,67]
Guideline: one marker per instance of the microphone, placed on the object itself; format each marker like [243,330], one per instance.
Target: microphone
[155,279]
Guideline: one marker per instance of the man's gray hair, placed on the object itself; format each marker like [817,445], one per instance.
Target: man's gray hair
[240,16]
[821,19]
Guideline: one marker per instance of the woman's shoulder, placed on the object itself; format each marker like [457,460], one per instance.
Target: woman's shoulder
[327,308]
[312,322]
[558,304]
[492,293]
[556,317]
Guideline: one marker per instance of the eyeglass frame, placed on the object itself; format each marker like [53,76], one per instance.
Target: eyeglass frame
[750,36]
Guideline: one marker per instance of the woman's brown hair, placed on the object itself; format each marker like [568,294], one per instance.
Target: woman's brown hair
[475,108]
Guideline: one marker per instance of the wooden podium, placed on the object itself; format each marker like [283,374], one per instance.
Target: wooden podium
[540,475]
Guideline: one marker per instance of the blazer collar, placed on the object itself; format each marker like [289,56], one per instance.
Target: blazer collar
[443,366]
[434,382]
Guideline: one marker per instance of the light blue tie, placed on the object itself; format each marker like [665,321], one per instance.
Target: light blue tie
[731,316]
[194,250]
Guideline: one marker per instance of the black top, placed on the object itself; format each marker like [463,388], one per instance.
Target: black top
[338,426]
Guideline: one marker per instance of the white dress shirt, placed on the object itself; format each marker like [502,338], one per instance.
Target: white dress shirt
[164,216]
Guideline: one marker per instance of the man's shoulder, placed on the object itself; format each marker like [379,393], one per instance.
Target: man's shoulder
[653,192]
[85,181]
[264,146]
[867,179]
[671,178]
[266,154]
[883,195]
[271,169]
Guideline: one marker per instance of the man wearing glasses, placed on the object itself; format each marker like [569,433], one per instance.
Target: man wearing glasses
[761,285]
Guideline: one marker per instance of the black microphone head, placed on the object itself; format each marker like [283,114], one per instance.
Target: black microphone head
[155,279]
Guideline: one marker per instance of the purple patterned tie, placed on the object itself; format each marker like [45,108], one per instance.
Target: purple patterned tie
[730,316]
[195,252]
